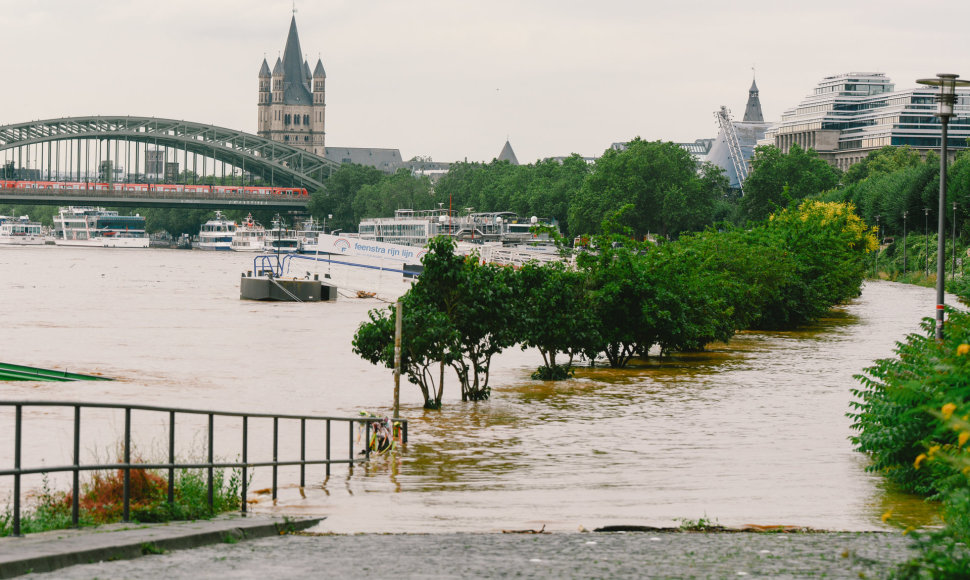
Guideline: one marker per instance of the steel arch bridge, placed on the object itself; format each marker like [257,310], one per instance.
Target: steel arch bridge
[275,162]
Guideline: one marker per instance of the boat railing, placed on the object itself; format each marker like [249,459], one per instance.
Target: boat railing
[126,466]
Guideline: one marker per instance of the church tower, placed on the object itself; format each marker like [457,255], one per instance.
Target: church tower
[752,112]
[292,100]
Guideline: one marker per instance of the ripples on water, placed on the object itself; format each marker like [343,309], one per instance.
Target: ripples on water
[750,432]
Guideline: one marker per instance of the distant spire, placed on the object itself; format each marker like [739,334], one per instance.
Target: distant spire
[752,112]
[264,70]
[507,154]
[296,85]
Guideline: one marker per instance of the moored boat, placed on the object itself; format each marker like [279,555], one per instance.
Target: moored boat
[20,231]
[216,234]
[309,236]
[99,228]
[249,236]
[280,240]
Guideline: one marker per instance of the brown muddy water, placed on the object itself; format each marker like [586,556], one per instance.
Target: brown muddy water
[750,432]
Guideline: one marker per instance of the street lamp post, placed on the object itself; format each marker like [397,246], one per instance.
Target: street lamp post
[905,213]
[947,99]
[953,268]
[926,239]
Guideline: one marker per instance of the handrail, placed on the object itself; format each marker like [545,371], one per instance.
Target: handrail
[210,465]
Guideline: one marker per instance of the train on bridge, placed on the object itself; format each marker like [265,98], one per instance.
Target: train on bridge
[248,191]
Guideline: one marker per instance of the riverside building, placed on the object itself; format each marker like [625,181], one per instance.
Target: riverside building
[850,115]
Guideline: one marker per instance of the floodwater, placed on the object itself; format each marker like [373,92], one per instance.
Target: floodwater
[750,432]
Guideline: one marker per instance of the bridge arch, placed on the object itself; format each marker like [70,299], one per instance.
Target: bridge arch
[52,149]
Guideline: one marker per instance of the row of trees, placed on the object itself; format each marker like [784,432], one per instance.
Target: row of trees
[623,300]
[667,190]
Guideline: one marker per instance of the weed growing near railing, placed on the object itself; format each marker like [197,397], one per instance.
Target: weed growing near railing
[102,500]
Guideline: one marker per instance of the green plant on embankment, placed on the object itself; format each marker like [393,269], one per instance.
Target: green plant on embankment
[102,500]
[913,420]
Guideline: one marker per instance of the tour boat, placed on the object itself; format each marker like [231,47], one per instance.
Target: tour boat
[309,236]
[99,228]
[20,231]
[249,236]
[416,228]
[280,240]
[216,234]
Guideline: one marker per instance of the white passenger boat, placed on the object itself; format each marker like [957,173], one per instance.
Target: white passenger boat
[20,231]
[415,228]
[249,236]
[99,228]
[309,236]
[280,240]
[216,234]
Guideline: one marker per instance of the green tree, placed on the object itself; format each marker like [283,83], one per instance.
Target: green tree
[553,314]
[777,179]
[617,278]
[338,197]
[475,298]
[827,243]
[427,341]
[659,179]
[889,159]
[399,191]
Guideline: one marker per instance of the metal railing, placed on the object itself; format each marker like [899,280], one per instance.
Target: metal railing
[126,466]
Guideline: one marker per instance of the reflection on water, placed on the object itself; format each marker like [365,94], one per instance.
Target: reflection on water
[753,431]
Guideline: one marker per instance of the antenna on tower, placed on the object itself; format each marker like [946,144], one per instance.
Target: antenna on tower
[294,7]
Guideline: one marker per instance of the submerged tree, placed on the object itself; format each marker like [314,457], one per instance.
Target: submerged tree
[553,314]
[476,300]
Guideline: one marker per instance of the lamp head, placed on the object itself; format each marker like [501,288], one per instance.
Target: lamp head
[948,84]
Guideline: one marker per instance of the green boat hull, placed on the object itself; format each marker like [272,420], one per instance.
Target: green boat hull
[10,372]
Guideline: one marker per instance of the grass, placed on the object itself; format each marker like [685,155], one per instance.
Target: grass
[703,524]
[102,500]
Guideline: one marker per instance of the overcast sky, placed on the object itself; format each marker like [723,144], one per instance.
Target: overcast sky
[453,78]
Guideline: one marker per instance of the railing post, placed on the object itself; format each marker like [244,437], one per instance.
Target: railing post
[276,441]
[303,452]
[171,458]
[18,427]
[76,487]
[328,448]
[367,440]
[127,486]
[211,460]
[245,459]
[351,438]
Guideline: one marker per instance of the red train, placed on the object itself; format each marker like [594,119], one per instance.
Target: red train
[159,187]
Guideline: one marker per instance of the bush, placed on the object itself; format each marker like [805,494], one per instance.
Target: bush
[913,419]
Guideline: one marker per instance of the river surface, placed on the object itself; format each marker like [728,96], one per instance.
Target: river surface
[753,432]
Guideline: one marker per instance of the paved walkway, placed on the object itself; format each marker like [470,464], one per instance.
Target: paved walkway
[49,551]
[448,555]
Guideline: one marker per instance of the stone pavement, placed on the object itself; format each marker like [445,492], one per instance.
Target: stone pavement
[47,551]
[463,555]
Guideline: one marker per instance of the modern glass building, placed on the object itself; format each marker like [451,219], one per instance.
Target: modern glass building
[850,115]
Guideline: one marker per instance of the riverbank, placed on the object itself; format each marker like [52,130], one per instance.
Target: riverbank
[561,555]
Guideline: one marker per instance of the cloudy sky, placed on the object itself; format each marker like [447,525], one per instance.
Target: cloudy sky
[454,78]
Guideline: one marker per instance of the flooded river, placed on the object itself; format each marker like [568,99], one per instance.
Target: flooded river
[750,432]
